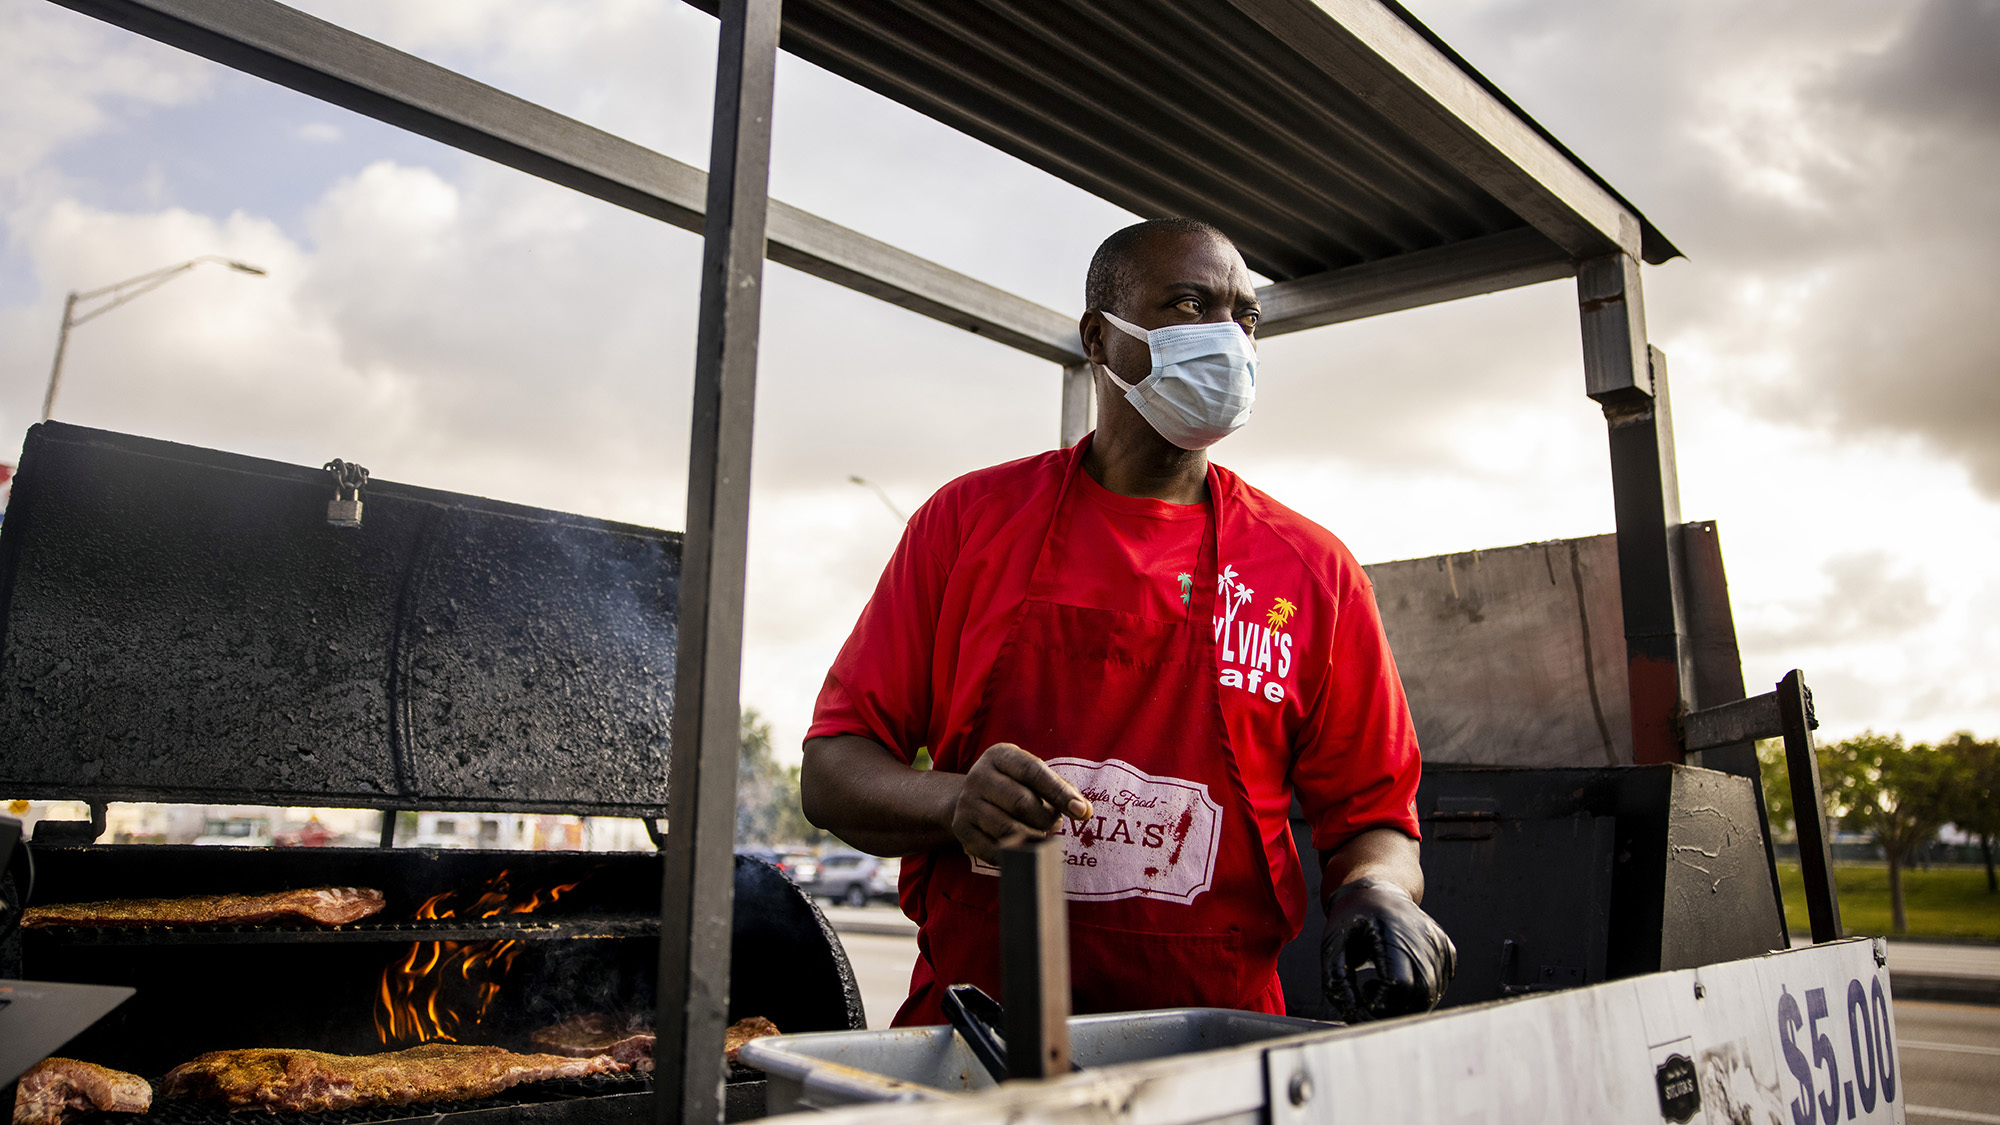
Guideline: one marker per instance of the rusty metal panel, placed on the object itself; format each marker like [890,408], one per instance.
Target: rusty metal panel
[180,624]
[1515,656]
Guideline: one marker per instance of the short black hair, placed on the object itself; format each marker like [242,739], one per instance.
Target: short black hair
[1110,271]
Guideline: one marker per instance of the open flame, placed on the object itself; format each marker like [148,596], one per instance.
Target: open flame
[440,990]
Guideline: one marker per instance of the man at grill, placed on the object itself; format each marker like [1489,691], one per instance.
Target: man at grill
[1128,647]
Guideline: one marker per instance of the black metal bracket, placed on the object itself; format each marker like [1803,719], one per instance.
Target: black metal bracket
[1785,713]
[72,832]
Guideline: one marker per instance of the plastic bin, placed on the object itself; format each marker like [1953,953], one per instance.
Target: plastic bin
[836,1068]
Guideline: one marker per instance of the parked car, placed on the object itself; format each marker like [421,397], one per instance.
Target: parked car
[799,865]
[855,879]
[236,832]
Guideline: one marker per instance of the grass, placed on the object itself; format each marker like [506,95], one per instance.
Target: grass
[1944,902]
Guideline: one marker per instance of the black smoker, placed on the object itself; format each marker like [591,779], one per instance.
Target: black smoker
[183,625]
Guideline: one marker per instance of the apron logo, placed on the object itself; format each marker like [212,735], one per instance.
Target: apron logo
[1264,653]
[1150,837]
[1187,588]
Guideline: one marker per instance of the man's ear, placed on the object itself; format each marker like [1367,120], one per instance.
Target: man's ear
[1090,327]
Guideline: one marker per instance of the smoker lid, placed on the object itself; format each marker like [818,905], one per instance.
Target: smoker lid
[181,624]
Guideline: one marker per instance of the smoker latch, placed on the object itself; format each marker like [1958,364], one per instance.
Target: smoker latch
[344,510]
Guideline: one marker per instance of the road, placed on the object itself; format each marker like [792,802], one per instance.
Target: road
[1950,1052]
[1951,1061]
[882,969]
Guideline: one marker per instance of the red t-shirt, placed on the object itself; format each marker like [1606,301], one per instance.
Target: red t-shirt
[1309,689]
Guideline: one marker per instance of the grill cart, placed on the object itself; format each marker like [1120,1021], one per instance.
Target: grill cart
[188,626]
[1365,168]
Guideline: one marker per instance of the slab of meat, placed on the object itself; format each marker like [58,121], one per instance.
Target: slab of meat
[583,1036]
[55,1087]
[278,1080]
[624,1039]
[743,1031]
[328,906]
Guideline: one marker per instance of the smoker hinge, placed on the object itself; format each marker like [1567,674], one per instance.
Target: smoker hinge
[344,510]
[1464,818]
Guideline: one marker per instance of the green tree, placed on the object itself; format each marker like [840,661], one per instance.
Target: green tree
[1777,782]
[1975,798]
[1899,795]
[767,792]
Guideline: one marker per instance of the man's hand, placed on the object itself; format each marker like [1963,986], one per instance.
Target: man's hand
[1010,795]
[1382,955]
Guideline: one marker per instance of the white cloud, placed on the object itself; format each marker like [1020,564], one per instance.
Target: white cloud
[64,77]
[476,330]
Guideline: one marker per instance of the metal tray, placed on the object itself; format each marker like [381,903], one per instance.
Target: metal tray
[922,1063]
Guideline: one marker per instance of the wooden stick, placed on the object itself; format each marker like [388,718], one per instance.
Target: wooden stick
[1034,958]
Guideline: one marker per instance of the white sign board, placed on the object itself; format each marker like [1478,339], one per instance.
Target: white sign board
[1801,1038]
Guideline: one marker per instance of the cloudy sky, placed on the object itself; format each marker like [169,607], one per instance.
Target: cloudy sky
[1827,166]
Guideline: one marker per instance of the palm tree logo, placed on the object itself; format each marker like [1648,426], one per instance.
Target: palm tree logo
[1281,612]
[1187,588]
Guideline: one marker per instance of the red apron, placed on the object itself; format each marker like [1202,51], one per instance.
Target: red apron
[1170,896]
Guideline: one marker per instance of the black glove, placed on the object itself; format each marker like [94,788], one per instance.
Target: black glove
[1375,924]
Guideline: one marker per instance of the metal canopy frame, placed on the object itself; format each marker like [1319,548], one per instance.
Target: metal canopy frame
[1354,157]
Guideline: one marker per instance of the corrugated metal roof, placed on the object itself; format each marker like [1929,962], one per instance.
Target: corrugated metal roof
[1203,109]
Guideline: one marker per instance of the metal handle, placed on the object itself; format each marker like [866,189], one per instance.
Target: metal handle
[978,1018]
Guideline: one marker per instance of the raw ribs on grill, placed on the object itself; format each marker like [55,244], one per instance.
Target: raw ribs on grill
[53,1088]
[308,1081]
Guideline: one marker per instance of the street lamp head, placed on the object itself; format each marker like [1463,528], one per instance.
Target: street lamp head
[245,267]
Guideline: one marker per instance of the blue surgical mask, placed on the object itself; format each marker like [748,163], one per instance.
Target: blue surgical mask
[1203,384]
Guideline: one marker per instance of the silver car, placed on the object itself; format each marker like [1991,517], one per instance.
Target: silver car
[856,879]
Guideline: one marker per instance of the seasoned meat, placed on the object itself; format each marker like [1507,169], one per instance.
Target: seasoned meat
[583,1036]
[635,1051]
[54,1088]
[278,1080]
[329,906]
[624,1039]
[743,1031]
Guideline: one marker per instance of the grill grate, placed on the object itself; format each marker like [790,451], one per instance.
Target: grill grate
[524,927]
[189,1111]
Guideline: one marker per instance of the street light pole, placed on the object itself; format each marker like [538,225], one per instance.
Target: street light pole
[139,286]
[877,490]
[62,345]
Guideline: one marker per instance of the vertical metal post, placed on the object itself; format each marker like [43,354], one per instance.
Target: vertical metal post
[1034,958]
[1079,403]
[1628,379]
[1808,806]
[62,346]
[699,867]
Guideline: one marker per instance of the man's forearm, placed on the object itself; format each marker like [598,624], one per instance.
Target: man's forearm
[1382,853]
[856,789]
